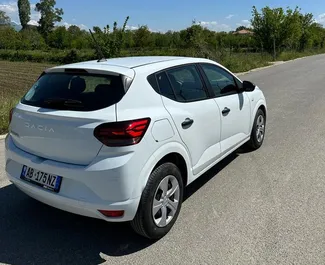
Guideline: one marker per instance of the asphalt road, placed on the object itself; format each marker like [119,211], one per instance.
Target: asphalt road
[265,207]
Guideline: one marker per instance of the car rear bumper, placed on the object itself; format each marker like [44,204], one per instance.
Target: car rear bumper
[83,188]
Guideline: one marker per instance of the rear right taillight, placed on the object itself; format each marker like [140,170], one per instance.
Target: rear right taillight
[123,133]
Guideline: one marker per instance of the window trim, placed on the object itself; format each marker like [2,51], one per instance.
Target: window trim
[236,80]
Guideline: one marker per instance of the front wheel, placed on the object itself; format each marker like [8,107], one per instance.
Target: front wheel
[258,131]
[160,202]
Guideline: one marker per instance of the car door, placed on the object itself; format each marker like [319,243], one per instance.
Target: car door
[234,105]
[195,114]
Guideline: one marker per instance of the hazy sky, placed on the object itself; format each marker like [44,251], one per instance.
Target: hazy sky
[164,15]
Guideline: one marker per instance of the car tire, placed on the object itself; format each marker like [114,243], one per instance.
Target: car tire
[258,131]
[157,211]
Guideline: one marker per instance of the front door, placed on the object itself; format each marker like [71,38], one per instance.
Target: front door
[234,106]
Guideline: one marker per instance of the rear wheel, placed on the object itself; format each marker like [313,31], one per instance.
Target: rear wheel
[258,131]
[160,202]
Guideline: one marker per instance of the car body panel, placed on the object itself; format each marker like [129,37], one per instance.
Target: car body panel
[235,126]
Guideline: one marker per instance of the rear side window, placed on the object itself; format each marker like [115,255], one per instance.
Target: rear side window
[165,87]
[78,92]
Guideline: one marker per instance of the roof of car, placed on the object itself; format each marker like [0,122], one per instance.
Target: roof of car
[131,62]
[137,61]
[125,65]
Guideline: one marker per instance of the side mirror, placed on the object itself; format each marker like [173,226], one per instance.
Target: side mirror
[248,86]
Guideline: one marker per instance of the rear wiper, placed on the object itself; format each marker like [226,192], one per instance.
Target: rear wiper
[63,101]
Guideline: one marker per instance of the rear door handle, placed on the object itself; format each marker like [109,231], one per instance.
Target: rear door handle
[188,122]
[225,111]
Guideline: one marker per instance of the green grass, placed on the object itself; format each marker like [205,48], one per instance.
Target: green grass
[290,55]
[16,78]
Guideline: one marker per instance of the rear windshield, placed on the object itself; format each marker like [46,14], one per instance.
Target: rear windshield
[78,92]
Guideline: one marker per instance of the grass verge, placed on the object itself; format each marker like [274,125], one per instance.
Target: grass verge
[16,78]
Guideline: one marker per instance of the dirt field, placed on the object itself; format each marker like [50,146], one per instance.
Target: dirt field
[15,79]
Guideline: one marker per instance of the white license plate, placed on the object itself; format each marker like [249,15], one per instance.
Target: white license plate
[42,179]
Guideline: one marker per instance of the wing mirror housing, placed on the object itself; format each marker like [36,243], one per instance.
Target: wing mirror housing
[248,86]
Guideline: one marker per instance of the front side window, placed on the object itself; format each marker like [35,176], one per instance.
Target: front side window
[222,82]
[187,84]
[79,92]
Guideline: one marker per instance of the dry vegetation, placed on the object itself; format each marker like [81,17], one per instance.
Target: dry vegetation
[15,79]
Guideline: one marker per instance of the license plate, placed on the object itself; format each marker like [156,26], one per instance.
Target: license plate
[42,179]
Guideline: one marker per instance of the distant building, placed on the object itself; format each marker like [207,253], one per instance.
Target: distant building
[244,32]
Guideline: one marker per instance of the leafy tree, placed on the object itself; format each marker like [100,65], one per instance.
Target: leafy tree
[274,28]
[306,21]
[111,42]
[24,12]
[143,37]
[9,38]
[32,39]
[49,16]
[59,38]
[78,39]
[4,19]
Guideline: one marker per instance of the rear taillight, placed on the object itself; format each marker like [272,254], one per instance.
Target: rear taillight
[122,133]
[112,214]
[10,115]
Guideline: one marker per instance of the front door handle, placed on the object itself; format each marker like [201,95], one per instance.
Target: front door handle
[188,122]
[225,111]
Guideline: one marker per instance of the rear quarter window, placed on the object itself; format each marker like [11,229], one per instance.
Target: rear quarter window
[78,92]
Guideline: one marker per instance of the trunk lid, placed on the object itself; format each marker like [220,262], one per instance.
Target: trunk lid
[58,135]
[57,117]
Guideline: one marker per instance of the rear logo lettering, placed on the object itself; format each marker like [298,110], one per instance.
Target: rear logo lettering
[41,128]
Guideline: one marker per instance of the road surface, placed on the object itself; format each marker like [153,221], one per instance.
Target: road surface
[265,207]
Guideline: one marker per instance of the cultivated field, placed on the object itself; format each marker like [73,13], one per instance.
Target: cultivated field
[15,79]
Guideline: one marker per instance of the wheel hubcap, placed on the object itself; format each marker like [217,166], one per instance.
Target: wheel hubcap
[166,200]
[260,128]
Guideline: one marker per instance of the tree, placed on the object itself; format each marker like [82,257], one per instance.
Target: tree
[306,21]
[143,37]
[111,42]
[24,12]
[32,39]
[4,19]
[274,28]
[49,16]
[59,38]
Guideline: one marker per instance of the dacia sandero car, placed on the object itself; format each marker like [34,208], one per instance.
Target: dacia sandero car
[120,139]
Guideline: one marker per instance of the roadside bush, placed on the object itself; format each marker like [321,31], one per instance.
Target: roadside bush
[52,56]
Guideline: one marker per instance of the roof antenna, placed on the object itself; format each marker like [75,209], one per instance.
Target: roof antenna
[99,50]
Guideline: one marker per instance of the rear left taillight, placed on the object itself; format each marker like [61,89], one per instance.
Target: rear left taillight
[10,114]
[123,133]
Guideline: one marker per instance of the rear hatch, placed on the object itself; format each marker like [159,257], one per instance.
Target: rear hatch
[57,117]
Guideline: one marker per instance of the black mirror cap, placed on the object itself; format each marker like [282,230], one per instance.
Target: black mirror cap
[248,86]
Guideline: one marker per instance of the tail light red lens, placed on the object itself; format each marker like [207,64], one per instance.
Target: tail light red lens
[113,214]
[10,115]
[122,133]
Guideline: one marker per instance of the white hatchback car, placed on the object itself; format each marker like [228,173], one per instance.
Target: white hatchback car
[119,139]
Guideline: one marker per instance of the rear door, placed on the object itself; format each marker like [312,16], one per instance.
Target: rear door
[57,117]
[234,105]
[194,113]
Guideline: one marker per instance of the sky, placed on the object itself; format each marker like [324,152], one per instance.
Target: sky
[164,15]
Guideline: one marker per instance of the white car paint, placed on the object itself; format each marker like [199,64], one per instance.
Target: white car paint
[98,177]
